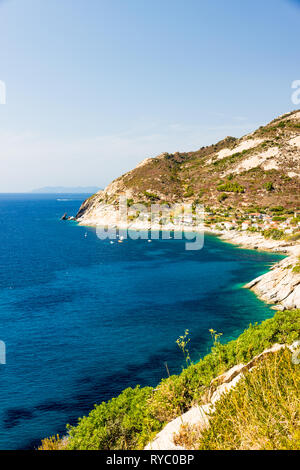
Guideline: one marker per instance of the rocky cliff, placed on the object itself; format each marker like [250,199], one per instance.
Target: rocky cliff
[281,285]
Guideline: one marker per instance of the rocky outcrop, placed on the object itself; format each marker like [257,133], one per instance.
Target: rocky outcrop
[198,416]
[66,217]
[255,240]
[88,204]
[281,285]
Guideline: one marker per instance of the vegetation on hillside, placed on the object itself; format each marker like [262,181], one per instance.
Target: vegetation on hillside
[183,176]
[130,420]
[261,412]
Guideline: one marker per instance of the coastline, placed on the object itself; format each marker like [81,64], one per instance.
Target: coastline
[280,286]
[244,241]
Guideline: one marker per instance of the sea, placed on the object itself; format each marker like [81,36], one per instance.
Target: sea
[81,318]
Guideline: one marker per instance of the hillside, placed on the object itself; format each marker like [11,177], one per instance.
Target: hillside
[250,188]
[261,169]
[259,412]
[250,406]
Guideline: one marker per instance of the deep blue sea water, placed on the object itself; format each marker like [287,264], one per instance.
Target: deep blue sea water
[83,319]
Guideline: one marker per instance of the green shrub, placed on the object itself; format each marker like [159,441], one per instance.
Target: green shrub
[53,443]
[269,186]
[189,192]
[222,197]
[277,209]
[296,269]
[189,386]
[130,202]
[231,187]
[273,233]
[293,237]
[130,420]
[151,196]
[121,423]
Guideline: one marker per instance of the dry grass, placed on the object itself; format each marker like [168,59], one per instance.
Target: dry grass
[262,412]
[54,443]
[188,436]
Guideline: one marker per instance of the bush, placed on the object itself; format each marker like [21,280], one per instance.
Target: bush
[269,186]
[151,196]
[222,197]
[274,233]
[277,209]
[190,385]
[130,202]
[296,269]
[136,415]
[53,443]
[231,187]
[293,237]
[121,423]
[189,192]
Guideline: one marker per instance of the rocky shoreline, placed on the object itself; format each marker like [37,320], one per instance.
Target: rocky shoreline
[280,286]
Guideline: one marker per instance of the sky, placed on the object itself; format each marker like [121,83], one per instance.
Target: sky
[95,86]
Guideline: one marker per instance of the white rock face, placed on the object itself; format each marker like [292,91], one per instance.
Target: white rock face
[198,415]
[280,286]
[295,142]
[245,145]
[263,159]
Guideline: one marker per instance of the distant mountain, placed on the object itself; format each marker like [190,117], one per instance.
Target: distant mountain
[68,190]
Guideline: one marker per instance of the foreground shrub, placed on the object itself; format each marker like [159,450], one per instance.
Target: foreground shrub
[122,423]
[53,443]
[130,420]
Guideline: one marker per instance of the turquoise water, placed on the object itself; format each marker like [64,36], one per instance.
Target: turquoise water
[83,319]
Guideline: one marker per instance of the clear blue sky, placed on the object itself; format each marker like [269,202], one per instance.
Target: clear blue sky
[95,86]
